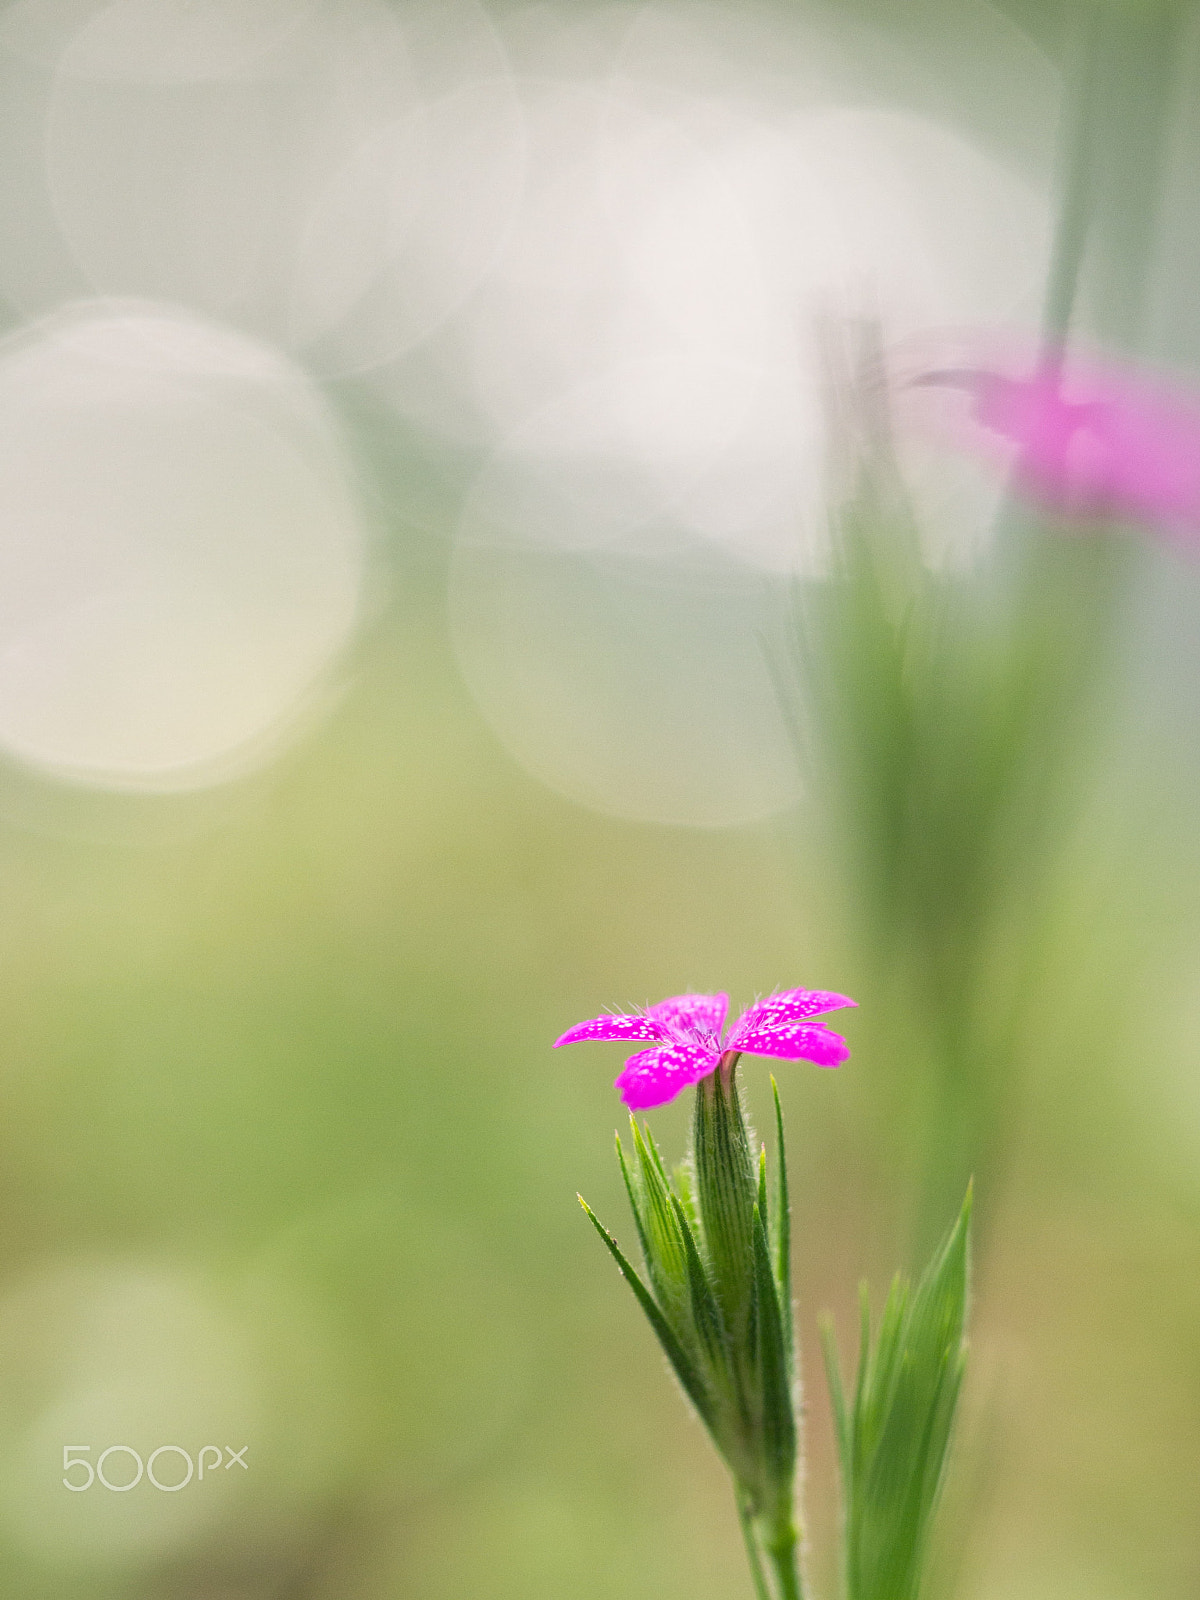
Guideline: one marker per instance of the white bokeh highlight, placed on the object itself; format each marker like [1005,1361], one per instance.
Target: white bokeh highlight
[399,236]
[666,282]
[596,250]
[181,552]
[332,174]
[645,363]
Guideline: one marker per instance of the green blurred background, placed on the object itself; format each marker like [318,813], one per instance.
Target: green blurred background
[286,1159]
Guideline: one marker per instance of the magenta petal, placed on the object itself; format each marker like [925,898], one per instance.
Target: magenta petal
[652,1077]
[630,1027]
[793,1005]
[793,1041]
[1094,440]
[703,1012]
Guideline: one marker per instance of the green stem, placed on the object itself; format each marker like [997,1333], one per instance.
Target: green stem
[773,1546]
[746,1518]
[783,1549]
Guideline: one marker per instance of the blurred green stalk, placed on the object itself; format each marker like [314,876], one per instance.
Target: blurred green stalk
[949,719]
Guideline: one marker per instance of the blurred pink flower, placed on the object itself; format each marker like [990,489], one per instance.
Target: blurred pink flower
[687,1039]
[1094,442]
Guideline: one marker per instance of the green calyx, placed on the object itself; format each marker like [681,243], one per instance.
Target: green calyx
[717,1291]
[726,1190]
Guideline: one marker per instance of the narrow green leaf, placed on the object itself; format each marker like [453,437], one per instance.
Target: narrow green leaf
[899,1428]
[864,1361]
[884,1367]
[635,1200]
[689,1379]
[783,1230]
[706,1313]
[837,1398]
[778,1418]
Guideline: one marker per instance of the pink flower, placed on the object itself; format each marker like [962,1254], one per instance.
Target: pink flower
[1094,441]
[687,1042]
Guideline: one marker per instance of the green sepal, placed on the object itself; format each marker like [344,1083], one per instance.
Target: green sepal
[652,1151]
[690,1380]
[774,1367]
[662,1239]
[706,1313]
[684,1175]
